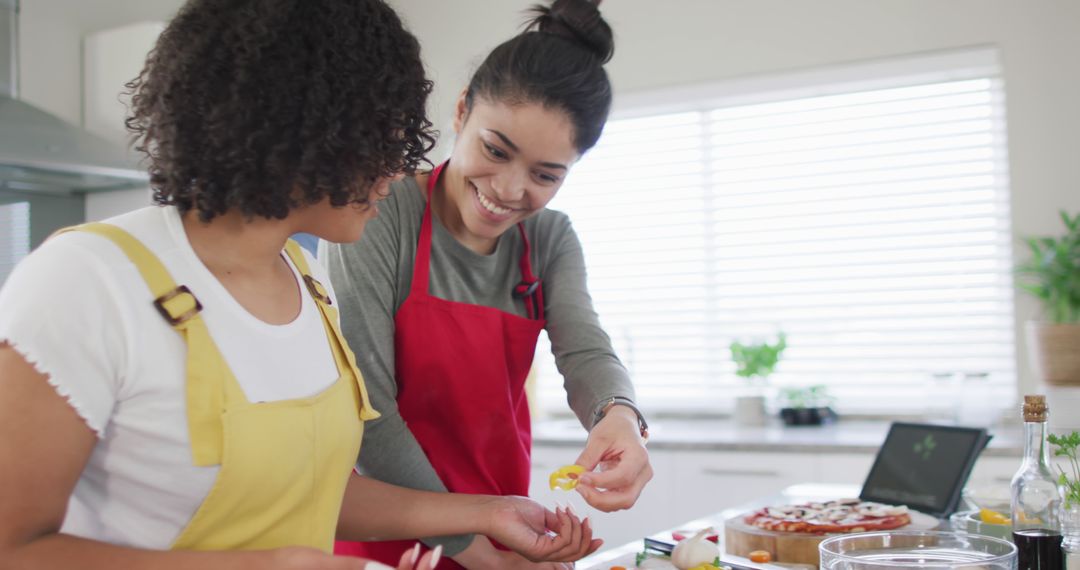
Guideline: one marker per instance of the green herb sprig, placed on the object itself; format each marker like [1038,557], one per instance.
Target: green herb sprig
[1067,447]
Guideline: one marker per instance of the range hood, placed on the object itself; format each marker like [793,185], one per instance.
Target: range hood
[42,153]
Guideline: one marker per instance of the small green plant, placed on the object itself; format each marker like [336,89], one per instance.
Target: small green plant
[757,360]
[816,396]
[1053,272]
[1066,447]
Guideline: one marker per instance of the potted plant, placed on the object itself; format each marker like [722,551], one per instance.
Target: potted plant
[1052,275]
[755,362]
[806,406]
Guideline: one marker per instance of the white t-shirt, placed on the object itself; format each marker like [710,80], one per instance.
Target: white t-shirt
[81,313]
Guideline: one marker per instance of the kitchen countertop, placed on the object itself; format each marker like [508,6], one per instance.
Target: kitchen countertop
[623,555]
[844,436]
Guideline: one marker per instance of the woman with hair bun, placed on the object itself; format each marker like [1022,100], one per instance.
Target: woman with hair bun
[175,390]
[447,291]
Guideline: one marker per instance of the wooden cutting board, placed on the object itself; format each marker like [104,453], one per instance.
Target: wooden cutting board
[741,539]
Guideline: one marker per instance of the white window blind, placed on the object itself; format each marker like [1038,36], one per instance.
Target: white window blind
[14,236]
[863,210]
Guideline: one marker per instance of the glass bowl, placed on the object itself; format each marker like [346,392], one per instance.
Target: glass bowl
[971,522]
[916,549]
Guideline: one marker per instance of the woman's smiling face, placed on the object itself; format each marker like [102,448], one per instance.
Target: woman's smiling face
[508,162]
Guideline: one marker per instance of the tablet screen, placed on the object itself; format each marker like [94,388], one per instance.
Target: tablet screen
[924,466]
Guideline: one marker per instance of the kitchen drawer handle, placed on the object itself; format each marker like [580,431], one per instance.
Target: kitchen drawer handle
[727,472]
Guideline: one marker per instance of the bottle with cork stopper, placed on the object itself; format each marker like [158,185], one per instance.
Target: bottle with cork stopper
[1036,501]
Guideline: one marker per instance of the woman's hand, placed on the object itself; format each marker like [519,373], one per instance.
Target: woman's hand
[481,555]
[301,558]
[616,447]
[539,534]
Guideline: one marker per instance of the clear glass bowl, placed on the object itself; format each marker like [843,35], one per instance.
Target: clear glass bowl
[971,522]
[916,549]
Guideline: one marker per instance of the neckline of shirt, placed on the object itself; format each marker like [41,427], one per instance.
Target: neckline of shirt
[224,298]
[450,245]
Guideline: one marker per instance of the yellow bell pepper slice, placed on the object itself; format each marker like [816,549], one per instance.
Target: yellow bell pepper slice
[705,567]
[561,478]
[993,517]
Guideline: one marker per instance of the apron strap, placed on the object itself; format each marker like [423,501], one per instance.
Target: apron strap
[422,264]
[531,288]
[330,318]
[181,309]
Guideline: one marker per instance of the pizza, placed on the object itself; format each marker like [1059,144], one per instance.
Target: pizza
[841,516]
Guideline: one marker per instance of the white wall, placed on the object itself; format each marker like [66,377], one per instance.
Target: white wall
[695,41]
[54,76]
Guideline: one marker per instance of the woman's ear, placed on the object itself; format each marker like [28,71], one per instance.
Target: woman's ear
[461,110]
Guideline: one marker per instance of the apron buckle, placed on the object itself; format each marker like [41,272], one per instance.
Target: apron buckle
[526,288]
[316,289]
[161,304]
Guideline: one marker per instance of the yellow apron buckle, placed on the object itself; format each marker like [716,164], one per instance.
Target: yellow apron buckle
[185,313]
[316,289]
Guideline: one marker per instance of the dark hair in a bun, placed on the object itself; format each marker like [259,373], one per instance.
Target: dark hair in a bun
[558,62]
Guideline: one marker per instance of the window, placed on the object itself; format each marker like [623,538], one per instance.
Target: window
[863,210]
[14,236]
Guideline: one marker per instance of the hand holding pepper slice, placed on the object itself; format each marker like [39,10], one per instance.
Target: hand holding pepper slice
[561,478]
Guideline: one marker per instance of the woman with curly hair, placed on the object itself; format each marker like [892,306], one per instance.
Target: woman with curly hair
[447,291]
[175,391]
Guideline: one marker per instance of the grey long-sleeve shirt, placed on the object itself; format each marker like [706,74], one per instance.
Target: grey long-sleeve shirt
[372,278]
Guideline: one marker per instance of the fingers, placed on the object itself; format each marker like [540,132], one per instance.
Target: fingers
[431,559]
[593,453]
[629,466]
[586,545]
[411,559]
[573,541]
[610,500]
[623,485]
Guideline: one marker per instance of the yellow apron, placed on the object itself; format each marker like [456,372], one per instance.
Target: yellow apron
[284,464]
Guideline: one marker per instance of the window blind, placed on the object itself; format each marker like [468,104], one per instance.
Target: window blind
[14,236]
[864,213]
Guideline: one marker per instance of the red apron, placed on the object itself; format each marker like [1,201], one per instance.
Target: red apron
[461,386]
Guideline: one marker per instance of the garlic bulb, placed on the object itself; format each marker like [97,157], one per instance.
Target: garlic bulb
[695,551]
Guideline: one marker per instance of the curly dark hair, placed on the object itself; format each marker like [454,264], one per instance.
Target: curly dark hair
[266,105]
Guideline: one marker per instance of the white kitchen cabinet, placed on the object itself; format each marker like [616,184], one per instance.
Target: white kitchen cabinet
[842,468]
[111,58]
[707,482]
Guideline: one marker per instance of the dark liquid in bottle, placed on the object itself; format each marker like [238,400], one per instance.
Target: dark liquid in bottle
[1038,549]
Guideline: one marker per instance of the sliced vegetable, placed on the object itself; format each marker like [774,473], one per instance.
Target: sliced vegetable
[565,478]
[993,517]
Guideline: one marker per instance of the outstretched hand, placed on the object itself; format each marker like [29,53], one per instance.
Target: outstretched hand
[615,446]
[539,534]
